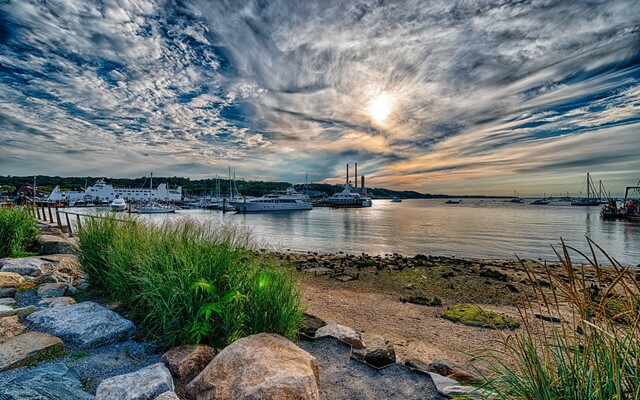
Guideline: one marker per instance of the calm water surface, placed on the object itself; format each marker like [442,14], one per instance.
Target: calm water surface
[474,228]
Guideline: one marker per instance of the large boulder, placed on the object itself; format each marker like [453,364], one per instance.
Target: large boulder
[344,333]
[10,327]
[31,346]
[29,266]
[185,362]
[84,325]
[48,381]
[263,366]
[144,384]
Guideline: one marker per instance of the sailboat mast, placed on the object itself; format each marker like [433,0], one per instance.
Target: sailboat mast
[151,187]
[588,187]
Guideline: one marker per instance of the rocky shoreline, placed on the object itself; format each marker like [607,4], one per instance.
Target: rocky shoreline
[54,343]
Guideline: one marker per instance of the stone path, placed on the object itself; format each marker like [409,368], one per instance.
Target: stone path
[342,377]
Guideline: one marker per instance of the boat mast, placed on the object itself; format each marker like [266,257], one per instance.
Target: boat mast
[588,186]
[151,187]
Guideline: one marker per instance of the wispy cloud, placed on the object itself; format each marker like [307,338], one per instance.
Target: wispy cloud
[485,95]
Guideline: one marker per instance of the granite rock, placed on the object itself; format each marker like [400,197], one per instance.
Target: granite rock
[52,381]
[84,325]
[185,362]
[7,292]
[262,366]
[344,333]
[144,384]
[31,346]
[52,290]
[28,266]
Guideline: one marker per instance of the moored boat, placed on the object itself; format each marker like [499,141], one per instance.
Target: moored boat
[396,200]
[118,204]
[287,200]
[450,201]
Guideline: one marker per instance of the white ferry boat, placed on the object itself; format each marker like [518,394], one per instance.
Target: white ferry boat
[287,200]
[103,192]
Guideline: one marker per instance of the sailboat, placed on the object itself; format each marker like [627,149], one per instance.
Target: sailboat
[588,201]
[154,207]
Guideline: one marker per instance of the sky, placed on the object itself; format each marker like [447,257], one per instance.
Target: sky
[484,97]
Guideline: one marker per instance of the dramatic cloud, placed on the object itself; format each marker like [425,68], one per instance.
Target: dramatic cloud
[439,96]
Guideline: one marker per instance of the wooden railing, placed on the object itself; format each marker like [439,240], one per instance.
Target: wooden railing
[56,215]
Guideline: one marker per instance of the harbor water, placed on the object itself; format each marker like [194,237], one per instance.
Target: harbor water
[475,228]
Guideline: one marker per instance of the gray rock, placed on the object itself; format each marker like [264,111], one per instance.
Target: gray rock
[52,290]
[29,266]
[5,307]
[84,325]
[48,381]
[53,244]
[168,396]
[72,291]
[7,302]
[344,333]
[442,382]
[20,312]
[145,384]
[7,292]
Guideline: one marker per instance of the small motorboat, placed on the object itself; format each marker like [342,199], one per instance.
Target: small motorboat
[118,204]
[450,201]
[396,200]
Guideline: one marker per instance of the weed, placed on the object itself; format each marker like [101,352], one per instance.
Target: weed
[593,353]
[18,232]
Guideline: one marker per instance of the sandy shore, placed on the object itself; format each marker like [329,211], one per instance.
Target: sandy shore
[365,293]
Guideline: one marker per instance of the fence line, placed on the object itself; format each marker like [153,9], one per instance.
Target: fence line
[51,213]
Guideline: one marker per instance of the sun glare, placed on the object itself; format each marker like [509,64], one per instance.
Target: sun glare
[380,108]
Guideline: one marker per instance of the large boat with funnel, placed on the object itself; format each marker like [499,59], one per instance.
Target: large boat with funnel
[349,198]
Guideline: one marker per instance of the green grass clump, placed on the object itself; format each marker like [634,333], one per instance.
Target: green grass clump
[593,355]
[18,231]
[469,314]
[185,282]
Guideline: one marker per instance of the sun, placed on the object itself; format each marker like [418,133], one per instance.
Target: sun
[380,107]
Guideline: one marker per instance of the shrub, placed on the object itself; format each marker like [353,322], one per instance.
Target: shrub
[18,231]
[186,282]
[594,354]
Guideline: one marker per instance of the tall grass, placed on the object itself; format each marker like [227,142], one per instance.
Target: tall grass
[185,282]
[18,231]
[594,353]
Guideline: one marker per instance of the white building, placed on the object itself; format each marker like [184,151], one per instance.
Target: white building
[104,192]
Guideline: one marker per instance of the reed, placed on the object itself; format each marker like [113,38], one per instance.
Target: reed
[186,282]
[18,231]
[594,353]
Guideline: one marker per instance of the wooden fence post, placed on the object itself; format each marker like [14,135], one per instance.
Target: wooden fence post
[68,224]
[50,215]
[58,219]
[79,224]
